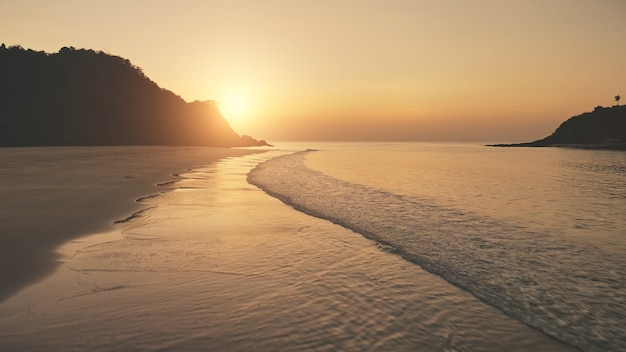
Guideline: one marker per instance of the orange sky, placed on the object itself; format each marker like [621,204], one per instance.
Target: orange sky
[480,70]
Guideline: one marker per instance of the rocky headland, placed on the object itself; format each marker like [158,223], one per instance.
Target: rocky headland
[603,128]
[80,97]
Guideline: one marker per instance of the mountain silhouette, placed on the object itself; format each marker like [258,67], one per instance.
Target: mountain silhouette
[87,97]
[603,128]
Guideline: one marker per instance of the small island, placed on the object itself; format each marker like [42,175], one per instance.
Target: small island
[82,97]
[603,128]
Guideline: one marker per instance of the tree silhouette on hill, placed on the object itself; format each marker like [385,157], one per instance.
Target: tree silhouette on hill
[87,97]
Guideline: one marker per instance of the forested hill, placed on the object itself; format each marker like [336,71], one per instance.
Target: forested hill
[604,127]
[86,97]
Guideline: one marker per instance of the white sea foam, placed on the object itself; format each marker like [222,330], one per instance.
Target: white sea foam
[569,288]
[217,264]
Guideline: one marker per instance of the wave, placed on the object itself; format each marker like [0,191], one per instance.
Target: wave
[571,292]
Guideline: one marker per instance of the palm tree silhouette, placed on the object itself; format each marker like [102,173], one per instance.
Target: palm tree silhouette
[617,97]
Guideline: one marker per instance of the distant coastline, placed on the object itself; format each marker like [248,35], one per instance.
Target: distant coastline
[603,128]
[598,146]
[80,97]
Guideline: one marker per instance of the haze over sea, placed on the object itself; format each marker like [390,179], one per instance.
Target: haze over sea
[527,247]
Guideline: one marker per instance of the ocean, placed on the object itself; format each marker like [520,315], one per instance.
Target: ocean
[538,233]
[350,247]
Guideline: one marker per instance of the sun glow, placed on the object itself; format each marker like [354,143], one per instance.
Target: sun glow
[236,106]
[236,109]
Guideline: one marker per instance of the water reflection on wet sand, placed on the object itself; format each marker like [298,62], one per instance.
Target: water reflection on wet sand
[218,264]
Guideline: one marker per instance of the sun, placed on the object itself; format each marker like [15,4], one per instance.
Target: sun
[235,107]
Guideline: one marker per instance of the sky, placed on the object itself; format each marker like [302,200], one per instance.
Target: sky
[424,70]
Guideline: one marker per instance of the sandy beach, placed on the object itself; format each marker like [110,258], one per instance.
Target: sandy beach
[214,263]
[52,195]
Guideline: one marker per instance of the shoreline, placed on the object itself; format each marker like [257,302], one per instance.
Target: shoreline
[192,272]
[619,147]
[51,195]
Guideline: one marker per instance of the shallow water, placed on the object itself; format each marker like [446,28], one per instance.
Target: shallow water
[217,264]
[537,233]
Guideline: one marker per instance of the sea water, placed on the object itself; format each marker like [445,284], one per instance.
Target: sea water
[539,233]
[522,251]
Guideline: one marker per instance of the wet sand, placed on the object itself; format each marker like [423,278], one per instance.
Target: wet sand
[51,195]
[217,264]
